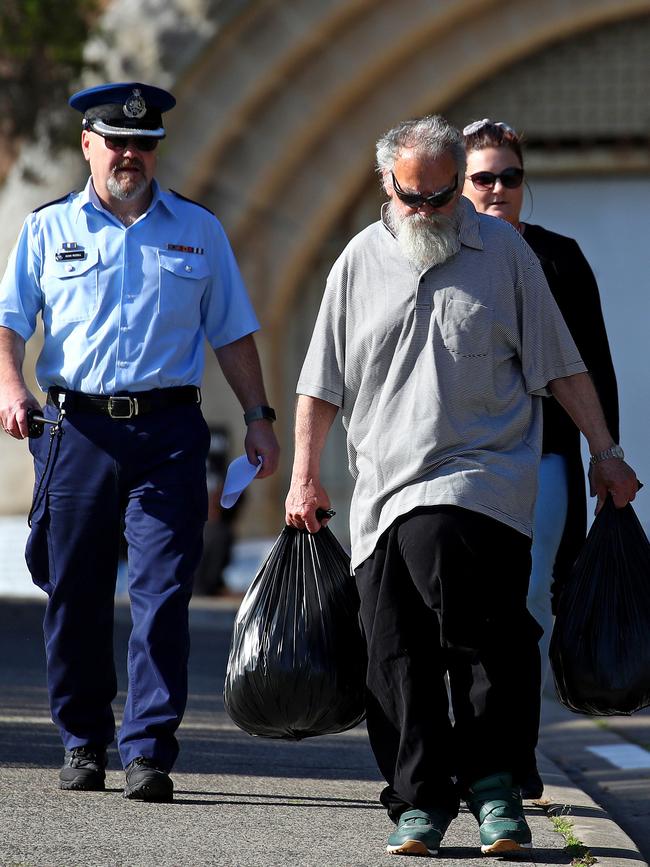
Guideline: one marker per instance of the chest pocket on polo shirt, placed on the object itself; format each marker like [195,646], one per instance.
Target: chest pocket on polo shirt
[183,280]
[71,287]
[466,327]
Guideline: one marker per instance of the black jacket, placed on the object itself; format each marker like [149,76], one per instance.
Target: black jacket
[575,290]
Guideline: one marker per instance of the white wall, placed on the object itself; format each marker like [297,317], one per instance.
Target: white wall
[608,216]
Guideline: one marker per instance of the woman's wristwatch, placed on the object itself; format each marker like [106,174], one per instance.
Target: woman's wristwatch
[257,413]
[611,452]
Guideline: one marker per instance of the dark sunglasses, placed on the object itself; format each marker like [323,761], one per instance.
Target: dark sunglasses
[417,200]
[478,125]
[510,178]
[138,142]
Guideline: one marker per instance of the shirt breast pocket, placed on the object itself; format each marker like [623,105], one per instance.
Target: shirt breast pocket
[183,281]
[466,327]
[71,288]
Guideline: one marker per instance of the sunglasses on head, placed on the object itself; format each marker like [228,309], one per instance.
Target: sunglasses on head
[137,142]
[510,178]
[477,125]
[417,200]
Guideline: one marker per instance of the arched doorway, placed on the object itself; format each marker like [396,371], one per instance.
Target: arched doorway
[293,98]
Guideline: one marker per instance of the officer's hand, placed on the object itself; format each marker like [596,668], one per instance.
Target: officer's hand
[260,440]
[304,497]
[613,476]
[13,411]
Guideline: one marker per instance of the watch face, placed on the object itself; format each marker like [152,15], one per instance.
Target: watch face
[617,452]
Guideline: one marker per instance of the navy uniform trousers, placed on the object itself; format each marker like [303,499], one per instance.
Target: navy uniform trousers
[150,468]
[445,592]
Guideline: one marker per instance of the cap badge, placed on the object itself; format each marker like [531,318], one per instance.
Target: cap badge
[135,106]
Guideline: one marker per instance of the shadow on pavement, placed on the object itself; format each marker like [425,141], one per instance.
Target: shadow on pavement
[262,800]
[606,852]
[210,743]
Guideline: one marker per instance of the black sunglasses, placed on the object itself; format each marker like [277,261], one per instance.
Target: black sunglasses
[417,200]
[139,142]
[510,178]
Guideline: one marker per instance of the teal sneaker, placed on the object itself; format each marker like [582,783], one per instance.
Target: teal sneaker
[419,832]
[496,805]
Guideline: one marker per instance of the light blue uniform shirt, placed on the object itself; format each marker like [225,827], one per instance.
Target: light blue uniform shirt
[131,313]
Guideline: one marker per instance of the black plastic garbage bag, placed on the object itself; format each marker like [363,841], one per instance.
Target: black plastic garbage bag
[600,647]
[297,662]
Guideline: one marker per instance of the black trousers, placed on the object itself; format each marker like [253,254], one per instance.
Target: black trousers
[445,592]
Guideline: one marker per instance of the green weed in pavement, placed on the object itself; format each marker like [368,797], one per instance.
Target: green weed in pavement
[580,855]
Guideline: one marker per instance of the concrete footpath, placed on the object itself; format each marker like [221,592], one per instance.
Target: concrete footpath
[240,801]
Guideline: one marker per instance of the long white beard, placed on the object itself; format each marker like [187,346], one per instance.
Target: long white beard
[425,241]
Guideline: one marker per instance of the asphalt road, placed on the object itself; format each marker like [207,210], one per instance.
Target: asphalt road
[240,801]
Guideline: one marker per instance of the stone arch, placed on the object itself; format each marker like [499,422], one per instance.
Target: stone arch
[279,116]
[295,95]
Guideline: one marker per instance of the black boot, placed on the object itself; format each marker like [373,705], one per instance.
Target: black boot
[83,769]
[146,782]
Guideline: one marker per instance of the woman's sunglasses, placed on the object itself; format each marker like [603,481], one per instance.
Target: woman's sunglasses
[478,125]
[510,178]
[417,200]
[139,142]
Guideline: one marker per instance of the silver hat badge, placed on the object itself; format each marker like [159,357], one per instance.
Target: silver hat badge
[135,106]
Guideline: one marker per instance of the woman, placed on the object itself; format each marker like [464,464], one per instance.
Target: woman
[494,184]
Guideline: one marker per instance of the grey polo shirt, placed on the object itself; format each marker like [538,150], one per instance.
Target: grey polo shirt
[438,374]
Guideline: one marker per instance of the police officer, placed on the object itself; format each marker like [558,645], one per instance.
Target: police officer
[129,280]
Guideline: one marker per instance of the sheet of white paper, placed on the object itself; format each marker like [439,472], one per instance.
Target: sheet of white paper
[239,475]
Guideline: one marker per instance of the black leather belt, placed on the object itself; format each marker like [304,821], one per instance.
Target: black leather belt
[124,405]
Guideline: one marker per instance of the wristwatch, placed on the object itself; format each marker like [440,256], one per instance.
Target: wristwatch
[611,452]
[257,413]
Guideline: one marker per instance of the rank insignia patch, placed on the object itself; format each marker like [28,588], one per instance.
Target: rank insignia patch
[181,248]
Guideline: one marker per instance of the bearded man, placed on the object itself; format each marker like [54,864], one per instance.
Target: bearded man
[130,281]
[437,338]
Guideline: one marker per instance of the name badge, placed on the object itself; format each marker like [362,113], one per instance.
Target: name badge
[70,250]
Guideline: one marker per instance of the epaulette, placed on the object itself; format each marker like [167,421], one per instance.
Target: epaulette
[192,202]
[53,202]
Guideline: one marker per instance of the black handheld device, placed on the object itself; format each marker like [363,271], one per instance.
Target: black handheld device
[36,423]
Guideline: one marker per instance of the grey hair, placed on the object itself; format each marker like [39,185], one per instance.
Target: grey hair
[431,136]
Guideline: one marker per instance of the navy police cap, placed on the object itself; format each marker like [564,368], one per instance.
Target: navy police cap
[128,109]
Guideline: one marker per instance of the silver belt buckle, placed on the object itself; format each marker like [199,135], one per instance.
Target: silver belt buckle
[131,409]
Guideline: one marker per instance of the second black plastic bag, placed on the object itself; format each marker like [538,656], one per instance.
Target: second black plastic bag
[297,662]
[600,648]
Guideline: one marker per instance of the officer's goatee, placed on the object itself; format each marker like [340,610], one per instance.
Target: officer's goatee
[129,185]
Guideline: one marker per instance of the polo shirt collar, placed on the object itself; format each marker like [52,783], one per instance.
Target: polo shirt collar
[469,226]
